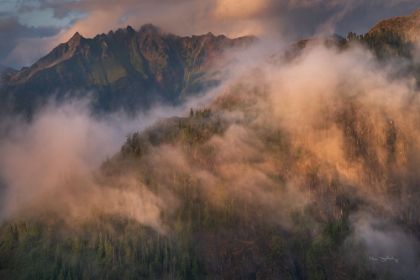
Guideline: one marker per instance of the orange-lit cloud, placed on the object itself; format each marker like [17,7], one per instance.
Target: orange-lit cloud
[240,9]
[287,19]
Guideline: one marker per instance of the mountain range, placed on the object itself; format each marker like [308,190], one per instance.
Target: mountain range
[131,70]
[125,69]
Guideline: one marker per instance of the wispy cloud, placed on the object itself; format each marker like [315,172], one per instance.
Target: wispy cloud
[287,19]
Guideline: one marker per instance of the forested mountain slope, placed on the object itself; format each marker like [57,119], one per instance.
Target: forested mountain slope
[406,26]
[306,167]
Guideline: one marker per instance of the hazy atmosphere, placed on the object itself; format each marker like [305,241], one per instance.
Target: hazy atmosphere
[209,139]
[45,24]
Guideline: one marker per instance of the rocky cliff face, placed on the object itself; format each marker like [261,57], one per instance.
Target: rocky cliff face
[125,69]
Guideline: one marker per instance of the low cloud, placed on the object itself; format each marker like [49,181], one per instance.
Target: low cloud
[49,165]
[328,124]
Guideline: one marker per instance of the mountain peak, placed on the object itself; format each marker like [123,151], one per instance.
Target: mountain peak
[130,61]
[76,36]
[130,29]
[75,40]
[150,28]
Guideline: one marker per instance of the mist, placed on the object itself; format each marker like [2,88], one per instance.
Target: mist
[344,126]
[50,162]
[292,134]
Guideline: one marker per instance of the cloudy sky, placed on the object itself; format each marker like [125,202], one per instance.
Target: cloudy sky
[29,29]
